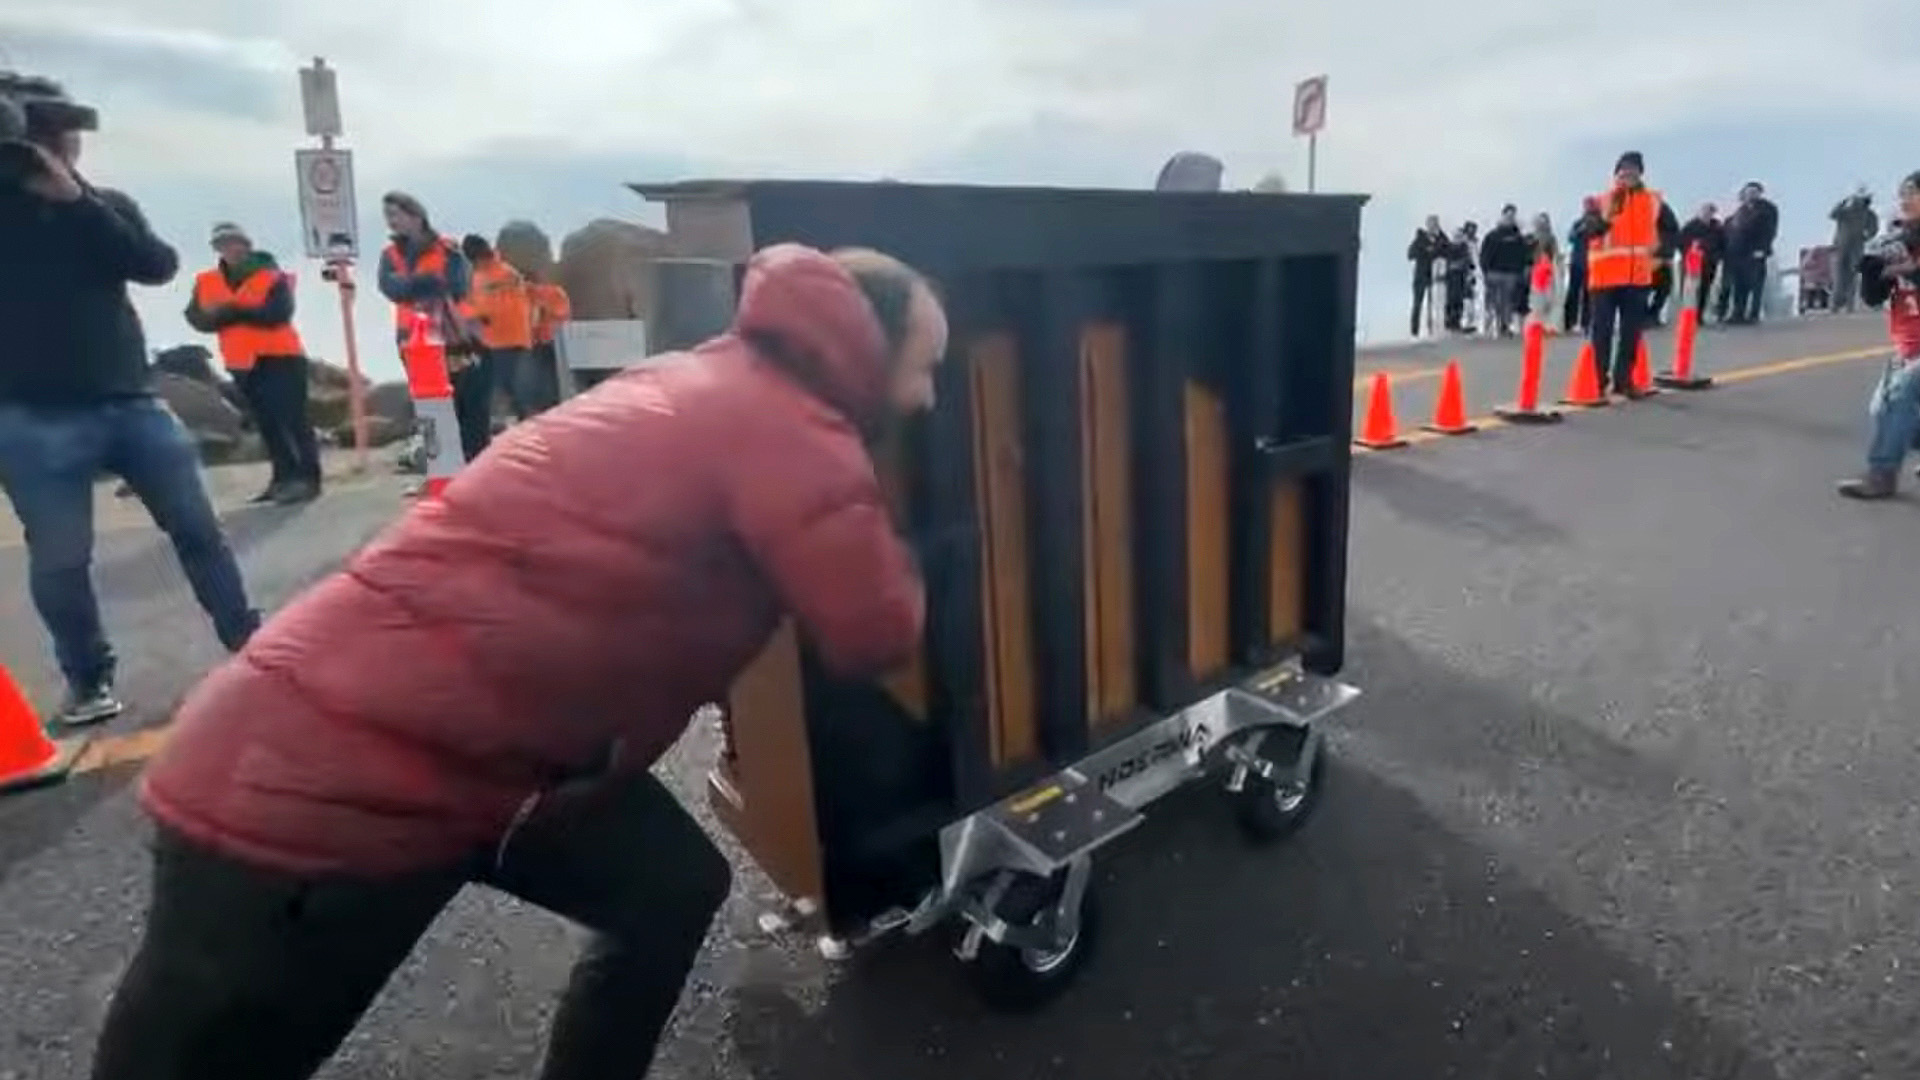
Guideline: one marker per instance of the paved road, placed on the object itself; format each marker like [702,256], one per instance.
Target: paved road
[1628,797]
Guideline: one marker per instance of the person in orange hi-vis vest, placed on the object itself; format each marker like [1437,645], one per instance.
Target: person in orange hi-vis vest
[246,302]
[422,272]
[502,309]
[551,309]
[1626,232]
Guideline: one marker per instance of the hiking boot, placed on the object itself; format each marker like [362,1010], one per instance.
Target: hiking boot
[91,707]
[1873,484]
[270,494]
[296,492]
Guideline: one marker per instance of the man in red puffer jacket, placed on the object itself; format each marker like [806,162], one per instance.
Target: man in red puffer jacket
[477,696]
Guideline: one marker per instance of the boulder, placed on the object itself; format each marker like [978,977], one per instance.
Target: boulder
[526,248]
[329,403]
[607,269]
[1271,184]
[217,427]
[187,361]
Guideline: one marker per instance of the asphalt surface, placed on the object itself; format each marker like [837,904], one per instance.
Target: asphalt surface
[1628,796]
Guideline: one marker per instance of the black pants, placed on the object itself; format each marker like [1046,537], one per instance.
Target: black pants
[1456,309]
[473,406]
[1575,312]
[244,973]
[1703,296]
[1657,298]
[1746,281]
[275,389]
[1618,317]
[1422,295]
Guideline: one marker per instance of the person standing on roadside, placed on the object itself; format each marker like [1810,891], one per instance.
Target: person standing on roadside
[552,309]
[1459,278]
[479,695]
[1544,244]
[1503,261]
[424,274]
[1629,228]
[1704,231]
[1751,232]
[77,397]
[1579,305]
[1890,274]
[1429,246]
[247,303]
[501,306]
[1854,223]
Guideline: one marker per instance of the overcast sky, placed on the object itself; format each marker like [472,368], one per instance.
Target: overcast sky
[490,111]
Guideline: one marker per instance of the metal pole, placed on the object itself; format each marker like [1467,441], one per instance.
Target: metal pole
[1313,159]
[356,385]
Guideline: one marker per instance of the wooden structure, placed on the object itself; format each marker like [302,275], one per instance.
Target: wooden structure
[1139,469]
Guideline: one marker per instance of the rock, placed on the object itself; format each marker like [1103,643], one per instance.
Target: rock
[391,400]
[1272,184]
[187,361]
[607,269]
[215,424]
[526,248]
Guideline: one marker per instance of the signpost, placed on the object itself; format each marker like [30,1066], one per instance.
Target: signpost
[330,221]
[1309,116]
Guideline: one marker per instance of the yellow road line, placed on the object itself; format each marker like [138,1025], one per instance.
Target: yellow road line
[1737,375]
[1397,375]
[138,746]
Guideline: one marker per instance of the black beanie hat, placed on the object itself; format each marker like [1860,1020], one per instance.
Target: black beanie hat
[1633,158]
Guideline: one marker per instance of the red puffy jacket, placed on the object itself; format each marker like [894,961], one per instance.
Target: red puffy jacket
[592,579]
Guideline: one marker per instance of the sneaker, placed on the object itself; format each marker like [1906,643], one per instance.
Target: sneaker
[295,492]
[270,494]
[1874,484]
[92,707]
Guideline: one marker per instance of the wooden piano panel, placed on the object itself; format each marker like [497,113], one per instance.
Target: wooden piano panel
[1107,524]
[1208,641]
[999,470]
[763,788]
[1286,574]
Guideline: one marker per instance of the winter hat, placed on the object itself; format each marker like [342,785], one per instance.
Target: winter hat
[226,231]
[1631,159]
[412,206]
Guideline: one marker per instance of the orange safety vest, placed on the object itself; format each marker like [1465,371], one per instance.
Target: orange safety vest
[1624,255]
[498,300]
[551,307]
[240,344]
[432,261]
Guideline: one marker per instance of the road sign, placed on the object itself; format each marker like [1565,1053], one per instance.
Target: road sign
[320,100]
[1310,106]
[327,215]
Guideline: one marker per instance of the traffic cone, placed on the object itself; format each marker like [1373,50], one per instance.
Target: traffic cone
[1450,408]
[1526,403]
[1682,376]
[27,757]
[1381,431]
[1583,383]
[424,357]
[1642,376]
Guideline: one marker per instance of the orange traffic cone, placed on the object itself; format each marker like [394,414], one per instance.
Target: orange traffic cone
[27,757]
[1381,431]
[1450,409]
[1642,376]
[1583,383]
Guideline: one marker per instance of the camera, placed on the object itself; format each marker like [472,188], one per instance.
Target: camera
[35,110]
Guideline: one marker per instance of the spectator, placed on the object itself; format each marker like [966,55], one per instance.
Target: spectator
[1579,305]
[1503,260]
[77,400]
[480,694]
[424,274]
[1629,227]
[1543,243]
[247,303]
[1705,231]
[1751,232]
[1459,280]
[1854,223]
[1890,274]
[503,309]
[552,309]
[1428,247]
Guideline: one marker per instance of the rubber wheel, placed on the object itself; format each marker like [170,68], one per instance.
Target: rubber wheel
[1014,980]
[1269,813]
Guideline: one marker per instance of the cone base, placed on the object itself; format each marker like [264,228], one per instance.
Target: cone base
[1514,414]
[1380,444]
[65,753]
[1675,382]
[1597,403]
[1450,429]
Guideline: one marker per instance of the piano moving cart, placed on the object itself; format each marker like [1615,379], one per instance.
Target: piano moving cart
[1137,478]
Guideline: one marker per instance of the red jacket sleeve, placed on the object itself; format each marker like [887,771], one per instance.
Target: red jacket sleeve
[811,513]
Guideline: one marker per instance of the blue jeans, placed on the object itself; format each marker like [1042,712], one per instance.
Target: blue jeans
[1895,409]
[49,460]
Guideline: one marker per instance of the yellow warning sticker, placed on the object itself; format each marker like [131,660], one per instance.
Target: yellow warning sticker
[1027,804]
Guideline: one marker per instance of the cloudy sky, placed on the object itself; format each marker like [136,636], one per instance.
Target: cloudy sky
[490,111]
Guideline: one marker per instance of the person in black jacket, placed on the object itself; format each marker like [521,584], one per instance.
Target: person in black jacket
[76,401]
[1504,256]
[1705,231]
[1459,278]
[1578,307]
[1751,232]
[1429,246]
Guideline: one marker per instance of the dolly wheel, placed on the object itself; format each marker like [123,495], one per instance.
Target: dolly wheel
[1010,978]
[1268,811]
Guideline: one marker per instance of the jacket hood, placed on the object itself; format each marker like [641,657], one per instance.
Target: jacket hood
[810,317]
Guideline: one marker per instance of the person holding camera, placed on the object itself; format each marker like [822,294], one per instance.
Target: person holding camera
[1889,270]
[76,394]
